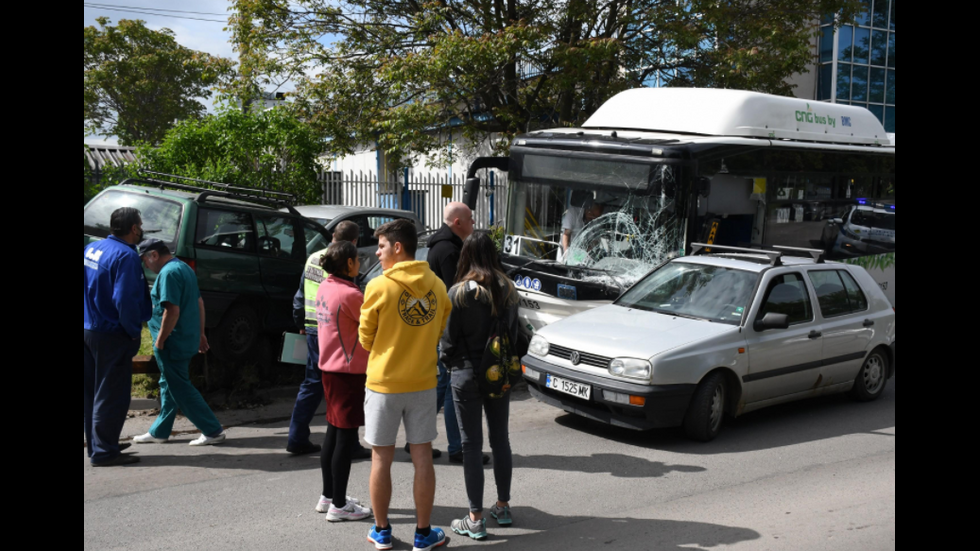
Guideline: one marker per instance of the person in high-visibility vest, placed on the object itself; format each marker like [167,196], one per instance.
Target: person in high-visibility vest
[304,315]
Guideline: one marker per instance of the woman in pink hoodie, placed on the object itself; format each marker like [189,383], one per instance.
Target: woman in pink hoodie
[344,363]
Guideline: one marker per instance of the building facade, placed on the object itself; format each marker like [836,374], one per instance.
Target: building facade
[856,64]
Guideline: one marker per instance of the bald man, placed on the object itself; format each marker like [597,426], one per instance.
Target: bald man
[444,247]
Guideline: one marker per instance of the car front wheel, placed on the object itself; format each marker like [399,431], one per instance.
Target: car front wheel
[870,381]
[707,409]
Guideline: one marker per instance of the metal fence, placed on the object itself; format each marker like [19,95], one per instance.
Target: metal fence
[425,195]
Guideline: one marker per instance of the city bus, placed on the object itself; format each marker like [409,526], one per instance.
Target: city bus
[593,209]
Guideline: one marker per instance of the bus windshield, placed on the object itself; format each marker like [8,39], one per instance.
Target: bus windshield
[620,227]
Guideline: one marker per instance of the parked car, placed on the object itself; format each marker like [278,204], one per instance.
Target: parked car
[861,230]
[368,219]
[728,333]
[248,255]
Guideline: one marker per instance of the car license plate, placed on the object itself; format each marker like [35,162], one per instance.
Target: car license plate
[568,387]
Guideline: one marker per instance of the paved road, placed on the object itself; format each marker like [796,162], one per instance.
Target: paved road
[818,474]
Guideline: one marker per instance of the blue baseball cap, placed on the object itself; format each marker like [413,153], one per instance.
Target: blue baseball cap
[152,244]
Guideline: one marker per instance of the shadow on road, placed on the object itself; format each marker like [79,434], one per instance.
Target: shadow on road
[577,532]
[773,427]
[618,465]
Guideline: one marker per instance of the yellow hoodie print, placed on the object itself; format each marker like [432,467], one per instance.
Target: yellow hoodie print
[404,314]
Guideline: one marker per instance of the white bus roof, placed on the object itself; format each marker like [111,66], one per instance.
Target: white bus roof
[737,113]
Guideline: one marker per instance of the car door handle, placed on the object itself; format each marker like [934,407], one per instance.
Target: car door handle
[869,323]
[815,334]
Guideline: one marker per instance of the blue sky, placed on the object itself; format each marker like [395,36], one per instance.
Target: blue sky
[206,36]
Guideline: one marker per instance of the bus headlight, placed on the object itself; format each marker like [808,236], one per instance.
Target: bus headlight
[538,346]
[631,367]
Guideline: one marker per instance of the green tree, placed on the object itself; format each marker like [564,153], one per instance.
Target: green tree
[139,82]
[271,149]
[396,71]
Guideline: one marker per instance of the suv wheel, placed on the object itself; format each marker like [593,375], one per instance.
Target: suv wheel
[233,338]
[870,381]
[707,409]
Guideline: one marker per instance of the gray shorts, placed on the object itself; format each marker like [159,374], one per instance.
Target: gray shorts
[383,413]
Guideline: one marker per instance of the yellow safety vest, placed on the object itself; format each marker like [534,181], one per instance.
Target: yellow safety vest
[313,275]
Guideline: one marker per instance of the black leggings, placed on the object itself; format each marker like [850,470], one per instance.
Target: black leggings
[335,460]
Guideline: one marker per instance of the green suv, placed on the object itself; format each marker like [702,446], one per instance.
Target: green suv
[249,255]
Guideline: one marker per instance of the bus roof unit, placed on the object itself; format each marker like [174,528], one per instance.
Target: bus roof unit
[716,112]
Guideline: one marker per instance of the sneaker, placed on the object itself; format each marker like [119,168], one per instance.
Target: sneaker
[360,453]
[476,529]
[303,449]
[380,538]
[436,454]
[435,538]
[324,504]
[149,439]
[458,458]
[351,511]
[501,514]
[205,440]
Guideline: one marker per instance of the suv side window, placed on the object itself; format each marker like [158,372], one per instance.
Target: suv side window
[277,237]
[831,294]
[225,229]
[315,241]
[787,294]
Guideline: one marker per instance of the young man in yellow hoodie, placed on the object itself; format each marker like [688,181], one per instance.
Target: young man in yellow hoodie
[404,314]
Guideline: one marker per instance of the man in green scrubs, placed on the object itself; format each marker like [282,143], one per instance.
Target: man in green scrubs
[177,328]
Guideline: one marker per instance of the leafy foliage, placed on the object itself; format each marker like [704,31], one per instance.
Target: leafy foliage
[404,72]
[138,81]
[270,149]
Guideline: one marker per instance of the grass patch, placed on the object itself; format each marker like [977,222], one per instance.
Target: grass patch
[145,386]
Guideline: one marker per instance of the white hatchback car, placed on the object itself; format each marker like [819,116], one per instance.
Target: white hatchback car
[704,336]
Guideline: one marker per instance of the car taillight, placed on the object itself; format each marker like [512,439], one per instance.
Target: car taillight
[190,262]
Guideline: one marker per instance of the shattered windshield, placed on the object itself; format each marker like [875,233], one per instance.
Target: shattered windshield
[621,225]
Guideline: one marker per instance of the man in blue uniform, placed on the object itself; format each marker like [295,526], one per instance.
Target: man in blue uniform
[116,303]
[177,328]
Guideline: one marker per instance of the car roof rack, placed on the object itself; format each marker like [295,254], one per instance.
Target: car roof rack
[261,196]
[775,257]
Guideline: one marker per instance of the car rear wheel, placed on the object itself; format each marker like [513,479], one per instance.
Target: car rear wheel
[707,409]
[234,338]
[870,381]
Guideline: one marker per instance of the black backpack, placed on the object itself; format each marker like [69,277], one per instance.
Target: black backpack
[499,365]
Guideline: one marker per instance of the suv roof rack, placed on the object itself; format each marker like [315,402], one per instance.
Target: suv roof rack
[774,256]
[261,196]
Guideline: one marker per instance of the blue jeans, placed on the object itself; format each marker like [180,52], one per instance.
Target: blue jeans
[444,400]
[309,397]
[108,382]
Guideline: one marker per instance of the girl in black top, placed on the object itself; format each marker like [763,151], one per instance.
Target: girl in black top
[482,294]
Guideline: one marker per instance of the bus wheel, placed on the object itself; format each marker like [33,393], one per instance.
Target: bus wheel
[707,409]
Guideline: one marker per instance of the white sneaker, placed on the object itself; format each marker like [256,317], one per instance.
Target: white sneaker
[149,439]
[351,511]
[324,504]
[208,440]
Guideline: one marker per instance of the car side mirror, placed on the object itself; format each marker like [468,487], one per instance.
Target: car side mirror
[838,220]
[772,320]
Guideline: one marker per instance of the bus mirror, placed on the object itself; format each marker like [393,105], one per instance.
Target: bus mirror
[470,192]
[703,186]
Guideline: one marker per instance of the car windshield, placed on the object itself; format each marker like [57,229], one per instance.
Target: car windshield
[697,291]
